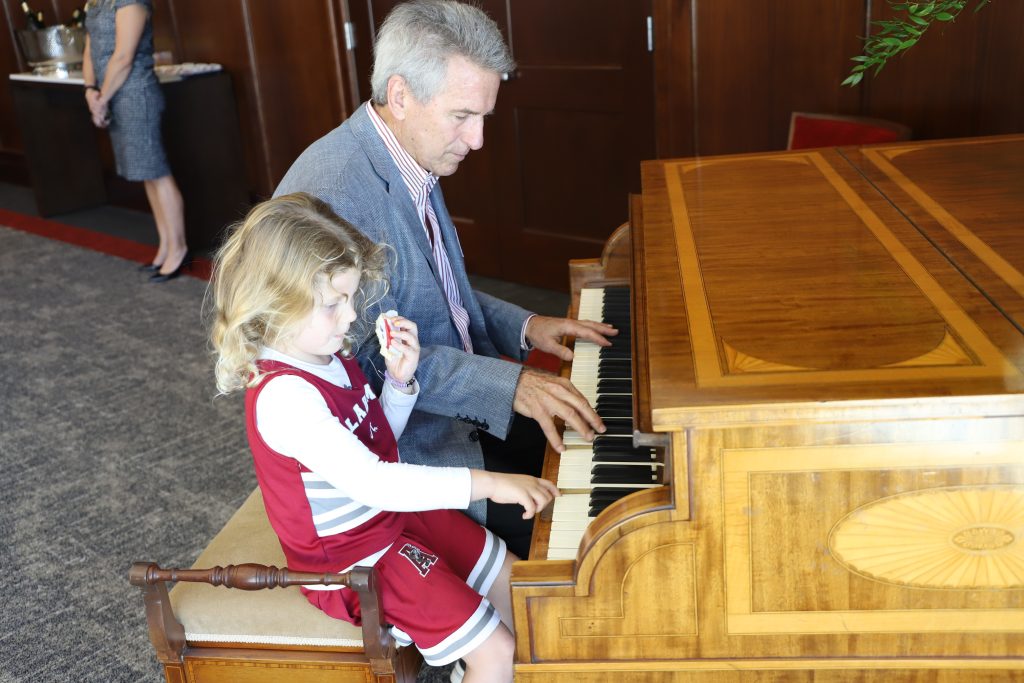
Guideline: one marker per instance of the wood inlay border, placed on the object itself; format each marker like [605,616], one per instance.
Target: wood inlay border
[882,158]
[738,465]
[712,370]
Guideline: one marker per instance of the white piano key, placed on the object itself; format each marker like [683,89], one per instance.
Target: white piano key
[571,512]
[569,520]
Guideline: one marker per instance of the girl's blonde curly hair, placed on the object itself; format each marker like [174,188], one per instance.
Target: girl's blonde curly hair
[266,274]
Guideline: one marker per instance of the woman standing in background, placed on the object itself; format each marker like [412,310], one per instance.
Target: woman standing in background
[124,96]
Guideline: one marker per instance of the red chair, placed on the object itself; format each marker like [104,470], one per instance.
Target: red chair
[831,130]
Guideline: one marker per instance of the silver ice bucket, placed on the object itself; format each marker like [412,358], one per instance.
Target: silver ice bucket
[53,49]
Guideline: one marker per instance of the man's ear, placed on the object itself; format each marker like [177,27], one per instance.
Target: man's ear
[398,96]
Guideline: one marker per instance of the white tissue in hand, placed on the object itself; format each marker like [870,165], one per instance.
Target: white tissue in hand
[384,330]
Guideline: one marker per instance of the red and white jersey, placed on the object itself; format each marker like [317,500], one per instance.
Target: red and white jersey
[320,529]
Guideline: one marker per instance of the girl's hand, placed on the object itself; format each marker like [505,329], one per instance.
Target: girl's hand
[405,342]
[532,493]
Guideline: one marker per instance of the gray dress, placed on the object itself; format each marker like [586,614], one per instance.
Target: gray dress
[137,106]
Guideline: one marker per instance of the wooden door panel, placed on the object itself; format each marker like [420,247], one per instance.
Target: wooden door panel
[303,68]
[572,126]
[961,79]
[569,32]
[553,173]
[758,62]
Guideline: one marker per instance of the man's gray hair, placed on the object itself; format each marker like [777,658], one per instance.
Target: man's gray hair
[417,38]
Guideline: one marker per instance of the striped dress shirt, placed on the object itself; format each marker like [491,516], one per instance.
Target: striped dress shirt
[420,184]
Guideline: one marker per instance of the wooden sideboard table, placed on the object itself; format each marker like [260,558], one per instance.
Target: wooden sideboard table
[201,136]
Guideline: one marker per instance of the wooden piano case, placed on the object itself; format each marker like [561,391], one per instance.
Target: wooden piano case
[844,408]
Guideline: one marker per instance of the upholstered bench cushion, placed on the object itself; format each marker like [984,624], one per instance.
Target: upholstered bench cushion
[278,616]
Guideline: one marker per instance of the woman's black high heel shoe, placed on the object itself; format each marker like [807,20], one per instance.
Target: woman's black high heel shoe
[151,267]
[186,264]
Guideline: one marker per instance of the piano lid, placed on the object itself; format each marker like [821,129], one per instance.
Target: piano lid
[965,196]
[775,282]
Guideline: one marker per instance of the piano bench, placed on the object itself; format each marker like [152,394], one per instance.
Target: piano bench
[204,633]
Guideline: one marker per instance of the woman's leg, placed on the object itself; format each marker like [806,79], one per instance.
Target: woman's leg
[161,229]
[169,210]
[492,661]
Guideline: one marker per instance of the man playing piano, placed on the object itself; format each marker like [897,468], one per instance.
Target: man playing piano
[437,68]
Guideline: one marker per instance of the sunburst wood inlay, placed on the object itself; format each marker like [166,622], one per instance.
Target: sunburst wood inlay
[965,538]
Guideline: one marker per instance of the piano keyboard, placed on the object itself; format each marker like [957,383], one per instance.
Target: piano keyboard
[592,476]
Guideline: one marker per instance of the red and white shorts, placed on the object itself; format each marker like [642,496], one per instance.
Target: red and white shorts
[432,582]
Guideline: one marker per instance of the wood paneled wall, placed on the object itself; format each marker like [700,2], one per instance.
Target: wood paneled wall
[728,72]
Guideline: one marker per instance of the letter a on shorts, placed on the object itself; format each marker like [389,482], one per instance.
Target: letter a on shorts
[421,560]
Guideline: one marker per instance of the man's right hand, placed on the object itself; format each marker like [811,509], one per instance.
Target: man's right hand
[544,396]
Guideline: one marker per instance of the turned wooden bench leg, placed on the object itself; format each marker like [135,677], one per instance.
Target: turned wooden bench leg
[165,631]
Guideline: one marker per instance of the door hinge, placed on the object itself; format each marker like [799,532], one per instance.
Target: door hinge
[650,34]
[350,35]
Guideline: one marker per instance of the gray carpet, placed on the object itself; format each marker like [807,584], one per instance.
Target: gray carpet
[113,449]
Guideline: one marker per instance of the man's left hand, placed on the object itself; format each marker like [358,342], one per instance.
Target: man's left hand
[545,334]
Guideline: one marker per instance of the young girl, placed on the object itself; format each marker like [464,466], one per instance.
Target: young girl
[288,285]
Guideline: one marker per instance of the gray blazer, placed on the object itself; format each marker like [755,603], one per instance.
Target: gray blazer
[351,170]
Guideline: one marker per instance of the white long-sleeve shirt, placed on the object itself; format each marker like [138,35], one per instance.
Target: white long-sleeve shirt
[294,420]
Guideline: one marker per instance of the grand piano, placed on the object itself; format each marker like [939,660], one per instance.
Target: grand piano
[816,470]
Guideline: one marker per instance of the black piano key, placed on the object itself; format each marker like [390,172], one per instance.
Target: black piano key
[602,498]
[624,409]
[617,447]
[601,494]
[608,438]
[615,400]
[615,386]
[618,428]
[623,456]
[623,474]
[609,412]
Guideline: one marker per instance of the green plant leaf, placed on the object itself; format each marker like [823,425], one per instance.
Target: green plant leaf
[893,36]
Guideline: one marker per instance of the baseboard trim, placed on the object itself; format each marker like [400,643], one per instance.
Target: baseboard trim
[90,239]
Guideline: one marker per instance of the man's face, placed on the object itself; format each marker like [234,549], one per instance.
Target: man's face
[440,133]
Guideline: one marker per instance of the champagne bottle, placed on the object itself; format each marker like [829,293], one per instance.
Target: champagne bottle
[77,19]
[34,19]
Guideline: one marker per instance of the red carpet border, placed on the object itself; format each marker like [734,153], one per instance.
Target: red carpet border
[141,253]
[90,239]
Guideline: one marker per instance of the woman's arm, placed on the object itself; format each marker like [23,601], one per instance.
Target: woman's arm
[129,23]
[97,111]
[88,75]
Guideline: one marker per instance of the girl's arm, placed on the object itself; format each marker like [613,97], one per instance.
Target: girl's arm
[294,420]
[129,23]
[400,388]
[398,405]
